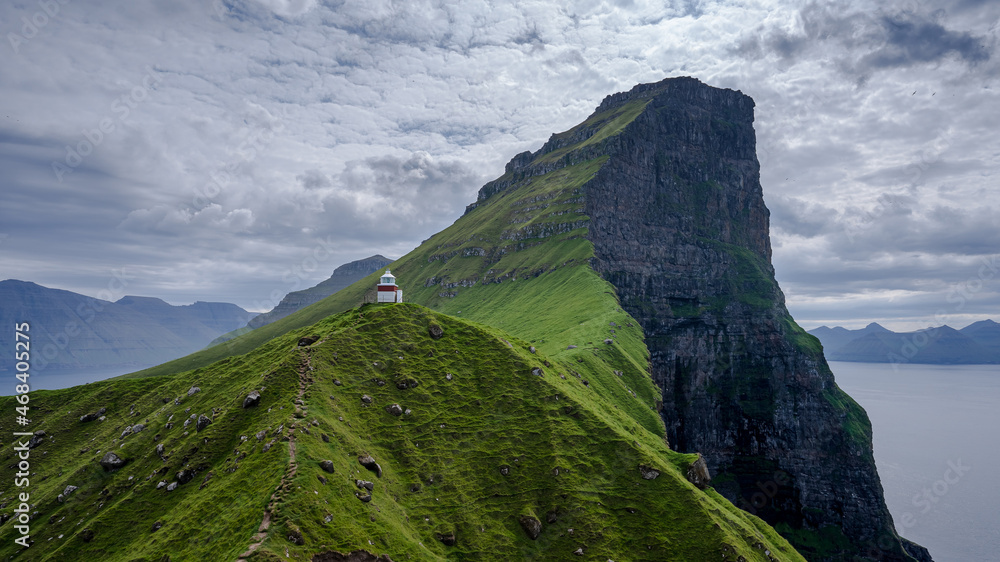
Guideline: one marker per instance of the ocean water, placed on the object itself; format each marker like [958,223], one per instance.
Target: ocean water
[936,435]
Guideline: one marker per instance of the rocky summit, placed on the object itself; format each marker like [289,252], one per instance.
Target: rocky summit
[679,227]
[605,368]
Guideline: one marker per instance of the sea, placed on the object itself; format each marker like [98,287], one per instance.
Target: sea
[936,437]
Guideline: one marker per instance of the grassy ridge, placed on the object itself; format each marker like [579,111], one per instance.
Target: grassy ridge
[566,450]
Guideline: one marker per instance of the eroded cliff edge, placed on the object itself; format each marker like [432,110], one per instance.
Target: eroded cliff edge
[679,227]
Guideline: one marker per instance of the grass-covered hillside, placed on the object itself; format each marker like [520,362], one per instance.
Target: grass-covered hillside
[479,442]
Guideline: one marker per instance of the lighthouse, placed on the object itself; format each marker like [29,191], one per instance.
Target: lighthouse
[388,291]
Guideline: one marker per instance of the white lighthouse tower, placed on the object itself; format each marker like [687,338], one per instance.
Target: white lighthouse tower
[388,291]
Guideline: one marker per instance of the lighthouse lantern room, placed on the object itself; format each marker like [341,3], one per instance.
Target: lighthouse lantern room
[388,291]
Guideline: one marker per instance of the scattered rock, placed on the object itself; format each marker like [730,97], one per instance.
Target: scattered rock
[505,470]
[137,428]
[379,382]
[537,372]
[578,552]
[366,399]
[171,486]
[94,416]
[368,462]
[205,481]
[448,376]
[36,439]
[327,466]
[532,349]
[322,480]
[203,422]
[448,539]
[69,490]
[698,474]
[157,526]
[395,409]
[184,476]
[532,527]
[365,484]
[337,382]
[609,341]
[161,484]
[308,340]
[295,535]
[435,331]
[570,347]
[193,390]
[648,473]
[407,411]
[251,400]
[325,437]
[363,497]
[111,461]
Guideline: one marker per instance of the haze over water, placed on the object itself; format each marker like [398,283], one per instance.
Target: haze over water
[936,433]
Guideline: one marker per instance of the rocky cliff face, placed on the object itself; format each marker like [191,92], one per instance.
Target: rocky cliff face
[679,227]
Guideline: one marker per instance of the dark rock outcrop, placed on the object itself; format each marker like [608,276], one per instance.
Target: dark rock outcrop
[368,462]
[435,331]
[91,417]
[532,526]
[37,439]
[447,539]
[251,400]
[203,422]
[679,227]
[111,461]
[698,473]
[648,473]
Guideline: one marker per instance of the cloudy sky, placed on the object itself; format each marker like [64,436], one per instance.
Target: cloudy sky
[238,150]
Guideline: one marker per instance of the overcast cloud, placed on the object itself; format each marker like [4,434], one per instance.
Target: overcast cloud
[240,149]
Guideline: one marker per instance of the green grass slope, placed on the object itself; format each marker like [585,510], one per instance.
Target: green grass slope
[483,442]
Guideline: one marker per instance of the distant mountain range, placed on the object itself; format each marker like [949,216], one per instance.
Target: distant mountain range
[74,331]
[342,277]
[976,344]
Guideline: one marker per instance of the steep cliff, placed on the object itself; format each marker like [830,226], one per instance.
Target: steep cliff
[679,227]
